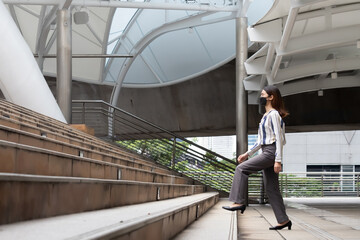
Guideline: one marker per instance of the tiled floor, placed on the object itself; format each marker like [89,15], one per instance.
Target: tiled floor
[313,218]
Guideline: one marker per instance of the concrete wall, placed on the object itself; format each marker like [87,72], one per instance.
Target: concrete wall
[321,148]
[205,106]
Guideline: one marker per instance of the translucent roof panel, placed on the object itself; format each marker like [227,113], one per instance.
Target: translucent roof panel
[120,21]
[175,46]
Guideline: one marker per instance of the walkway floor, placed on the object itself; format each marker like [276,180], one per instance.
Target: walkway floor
[214,224]
[313,218]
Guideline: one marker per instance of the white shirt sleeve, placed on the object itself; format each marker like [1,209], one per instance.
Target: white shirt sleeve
[276,122]
[255,147]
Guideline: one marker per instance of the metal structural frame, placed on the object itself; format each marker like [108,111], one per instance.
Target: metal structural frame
[132,4]
[46,30]
[280,36]
[292,46]
[52,9]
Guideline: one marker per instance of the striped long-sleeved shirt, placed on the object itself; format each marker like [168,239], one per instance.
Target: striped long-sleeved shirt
[271,129]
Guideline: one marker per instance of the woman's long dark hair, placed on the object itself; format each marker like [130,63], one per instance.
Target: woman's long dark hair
[277,101]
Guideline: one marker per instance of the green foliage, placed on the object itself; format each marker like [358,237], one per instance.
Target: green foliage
[293,186]
[206,170]
[160,150]
[210,171]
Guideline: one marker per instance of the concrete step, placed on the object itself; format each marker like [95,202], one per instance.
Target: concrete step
[66,134]
[31,139]
[30,117]
[154,220]
[34,196]
[25,115]
[22,111]
[19,158]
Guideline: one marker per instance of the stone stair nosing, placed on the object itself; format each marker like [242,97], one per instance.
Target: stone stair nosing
[61,132]
[35,196]
[20,158]
[89,145]
[62,126]
[22,137]
[69,135]
[67,194]
[115,149]
[153,220]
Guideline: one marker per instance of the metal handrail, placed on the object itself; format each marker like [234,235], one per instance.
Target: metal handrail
[153,125]
[167,148]
[311,184]
[322,173]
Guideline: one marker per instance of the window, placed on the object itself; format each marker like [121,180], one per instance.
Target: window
[322,168]
[347,183]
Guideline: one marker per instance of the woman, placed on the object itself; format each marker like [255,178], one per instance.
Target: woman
[271,138]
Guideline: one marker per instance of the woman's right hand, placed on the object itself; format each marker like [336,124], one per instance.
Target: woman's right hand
[242,157]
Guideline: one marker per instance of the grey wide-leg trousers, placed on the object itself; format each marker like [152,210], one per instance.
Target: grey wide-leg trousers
[264,161]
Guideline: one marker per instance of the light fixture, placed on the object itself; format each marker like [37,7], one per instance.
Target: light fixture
[334,75]
[81,16]
[320,93]
[191,30]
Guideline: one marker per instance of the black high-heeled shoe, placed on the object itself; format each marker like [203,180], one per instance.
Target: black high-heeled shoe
[241,208]
[288,224]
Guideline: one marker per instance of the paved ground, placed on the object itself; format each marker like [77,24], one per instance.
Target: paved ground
[215,224]
[313,218]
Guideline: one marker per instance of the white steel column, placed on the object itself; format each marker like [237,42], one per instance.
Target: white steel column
[64,62]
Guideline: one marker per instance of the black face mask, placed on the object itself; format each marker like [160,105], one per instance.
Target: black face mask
[263,101]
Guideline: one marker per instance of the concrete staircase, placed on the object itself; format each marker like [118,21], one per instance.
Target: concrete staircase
[49,169]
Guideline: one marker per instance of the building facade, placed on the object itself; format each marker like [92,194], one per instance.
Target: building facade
[337,151]
[322,151]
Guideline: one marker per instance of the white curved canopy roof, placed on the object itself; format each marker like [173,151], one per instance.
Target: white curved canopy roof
[307,44]
[168,46]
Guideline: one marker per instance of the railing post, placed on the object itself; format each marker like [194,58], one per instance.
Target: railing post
[358,185]
[173,153]
[113,123]
[286,185]
[262,190]
[281,185]
[110,125]
[322,185]
[83,113]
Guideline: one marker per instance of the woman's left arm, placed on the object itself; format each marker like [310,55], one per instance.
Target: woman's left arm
[276,124]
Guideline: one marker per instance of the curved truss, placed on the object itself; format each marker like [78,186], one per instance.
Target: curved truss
[137,49]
